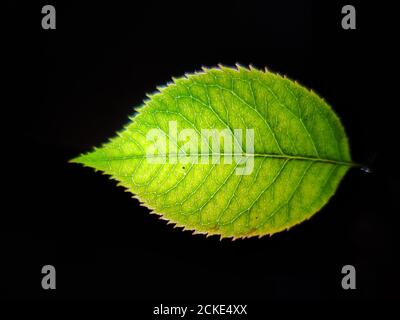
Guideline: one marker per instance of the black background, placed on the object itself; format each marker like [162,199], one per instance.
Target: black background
[70,89]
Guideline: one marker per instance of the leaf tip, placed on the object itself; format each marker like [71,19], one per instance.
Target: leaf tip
[86,159]
[77,160]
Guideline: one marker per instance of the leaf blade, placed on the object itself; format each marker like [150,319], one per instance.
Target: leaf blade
[300,147]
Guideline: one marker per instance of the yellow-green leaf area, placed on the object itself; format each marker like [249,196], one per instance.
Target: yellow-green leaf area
[278,156]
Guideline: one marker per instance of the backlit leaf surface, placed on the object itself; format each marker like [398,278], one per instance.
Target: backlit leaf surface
[300,153]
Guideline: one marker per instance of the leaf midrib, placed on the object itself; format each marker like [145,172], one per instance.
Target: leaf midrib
[255,155]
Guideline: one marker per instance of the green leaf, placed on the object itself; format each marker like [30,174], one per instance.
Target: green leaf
[281,155]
